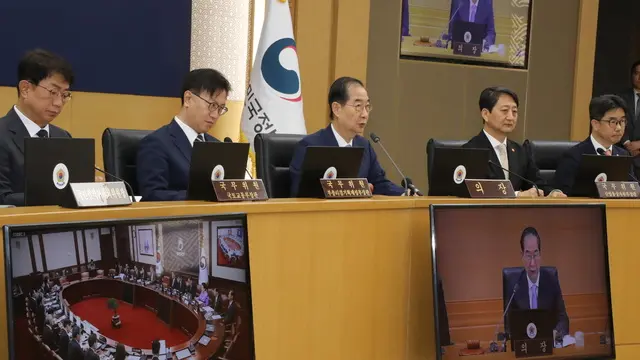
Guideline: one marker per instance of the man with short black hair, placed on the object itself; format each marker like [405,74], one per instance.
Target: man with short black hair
[43,86]
[63,343]
[91,353]
[349,108]
[164,156]
[75,350]
[155,349]
[499,111]
[608,122]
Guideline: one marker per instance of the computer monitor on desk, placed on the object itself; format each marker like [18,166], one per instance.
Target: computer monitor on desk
[215,160]
[595,168]
[327,162]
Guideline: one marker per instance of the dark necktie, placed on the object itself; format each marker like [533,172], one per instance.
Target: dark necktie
[637,114]
[199,138]
[42,133]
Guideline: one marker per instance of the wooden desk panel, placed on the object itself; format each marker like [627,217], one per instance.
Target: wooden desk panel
[351,279]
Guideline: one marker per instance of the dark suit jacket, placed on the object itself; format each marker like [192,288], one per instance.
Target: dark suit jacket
[520,162]
[63,348]
[75,351]
[369,168]
[568,165]
[632,131]
[484,15]
[12,134]
[216,304]
[549,298]
[49,338]
[190,289]
[230,315]
[163,162]
[91,355]
[179,286]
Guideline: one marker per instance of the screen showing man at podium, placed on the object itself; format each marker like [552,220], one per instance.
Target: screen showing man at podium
[522,281]
[486,31]
[54,289]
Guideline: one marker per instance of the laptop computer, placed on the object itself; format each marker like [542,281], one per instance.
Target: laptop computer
[462,29]
[452,165]
[521,329]
[346,162]
[616,168]
[205,158]
[51,164]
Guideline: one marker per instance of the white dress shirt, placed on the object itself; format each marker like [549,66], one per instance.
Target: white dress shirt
[537,285]
[597,145]
[32,128]
[495,144]
[341,141]
[188,131]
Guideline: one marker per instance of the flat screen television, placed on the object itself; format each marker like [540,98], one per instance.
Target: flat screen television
[516,278]
[483,32]
[153,269]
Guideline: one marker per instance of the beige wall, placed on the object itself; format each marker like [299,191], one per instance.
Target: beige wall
[418,100]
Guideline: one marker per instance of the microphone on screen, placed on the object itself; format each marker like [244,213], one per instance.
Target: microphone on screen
[133,197]
[517,175]
[228,140]
[376,139]
[516,286]
[600,151]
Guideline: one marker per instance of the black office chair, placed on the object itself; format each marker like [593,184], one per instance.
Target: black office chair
[434,143]
[546,155]
[119,153]
[273,155]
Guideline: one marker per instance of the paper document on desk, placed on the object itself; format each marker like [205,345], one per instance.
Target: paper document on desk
[216,317]
[204,340]
[207,309]
[568,340]
[210,327]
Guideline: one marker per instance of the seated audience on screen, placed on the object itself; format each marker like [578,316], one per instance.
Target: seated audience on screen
[189,287]
[75,350]
[349,107]
[216,301]
[499,111]
[151,274]
[608,122]
[232,309]
[63,342]
[155,348]
[474,11]
[164,156]
[90,354]
[48,335]
[179,284]
[538,289]
[43,85]
[203,295]
[121,353]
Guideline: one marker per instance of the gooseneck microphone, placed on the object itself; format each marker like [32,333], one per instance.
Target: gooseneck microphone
[518,176]
[376,139]
[133,196]
[228,140]
[410,185]
[516,286]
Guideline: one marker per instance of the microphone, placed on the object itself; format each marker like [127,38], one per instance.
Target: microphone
[600,151]
[376,139]
[133,196]
[518,176]
[413,188]
[453,15]
[228,140]
[516,286]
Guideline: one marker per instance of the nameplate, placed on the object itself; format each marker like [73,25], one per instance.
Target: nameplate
[501,189]
[618,189]
[99,194]
[533,347]
[467,49]
[239,190]
[345,188]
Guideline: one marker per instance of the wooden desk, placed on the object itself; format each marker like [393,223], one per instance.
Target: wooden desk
[182,316]
[351,279]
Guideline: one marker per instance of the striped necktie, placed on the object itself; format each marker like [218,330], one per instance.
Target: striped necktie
[199,138]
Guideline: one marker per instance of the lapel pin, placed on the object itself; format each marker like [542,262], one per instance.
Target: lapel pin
[513,150]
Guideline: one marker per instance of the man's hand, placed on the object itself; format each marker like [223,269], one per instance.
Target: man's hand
[557,194]
[371,188]
[633,147]
[531,193]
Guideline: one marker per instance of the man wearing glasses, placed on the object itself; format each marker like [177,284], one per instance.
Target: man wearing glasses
[608,122]
[164,156]
[44,79]
[349,109]
[538,288]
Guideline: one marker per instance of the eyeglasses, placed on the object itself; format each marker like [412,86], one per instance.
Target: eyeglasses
[360,107]
[529,257]
[54,93]
[214,106]
[613,122]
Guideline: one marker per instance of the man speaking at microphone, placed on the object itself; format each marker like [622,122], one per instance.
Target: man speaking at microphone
[349,108]
[499,111]
[538,288]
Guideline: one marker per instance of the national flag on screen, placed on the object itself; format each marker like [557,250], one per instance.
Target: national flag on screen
[158,258]
[203,275]
[274,98]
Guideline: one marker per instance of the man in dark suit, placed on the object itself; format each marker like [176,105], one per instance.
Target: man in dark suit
[48,336]
[499,111]
[608,122]
[189,287]
[474,11]
[631,97]
[164,156]
[75,350]
[538,289]
[63,347]
[215,301]
[232,309]
[43,90]
[349,107]
[90,354]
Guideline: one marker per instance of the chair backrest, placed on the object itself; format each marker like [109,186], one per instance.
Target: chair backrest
[435,143]
[273,155]
[546,155]
[119,153]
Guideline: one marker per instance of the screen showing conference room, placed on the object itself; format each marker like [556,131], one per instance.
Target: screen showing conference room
[137,263]
[480,265]
[489,32]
